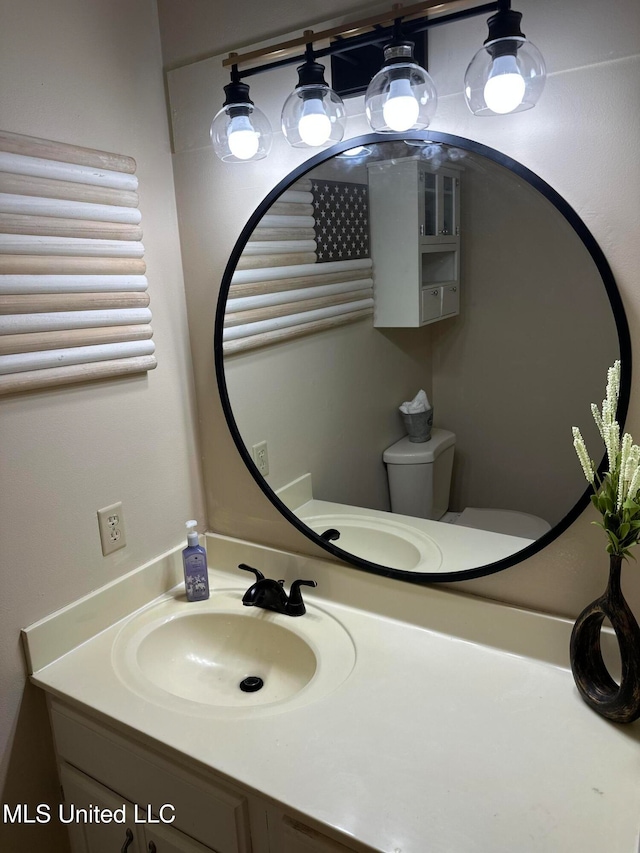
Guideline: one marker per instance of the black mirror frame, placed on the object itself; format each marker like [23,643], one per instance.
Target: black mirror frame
[590,244]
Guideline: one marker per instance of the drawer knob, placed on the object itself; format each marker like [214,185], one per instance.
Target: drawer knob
[128,841]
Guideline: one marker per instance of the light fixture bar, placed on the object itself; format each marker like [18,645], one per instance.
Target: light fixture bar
[409,29]
[506,75]
[278,51]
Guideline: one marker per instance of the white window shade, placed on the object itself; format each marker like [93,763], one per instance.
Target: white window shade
[282,288]
[73,300]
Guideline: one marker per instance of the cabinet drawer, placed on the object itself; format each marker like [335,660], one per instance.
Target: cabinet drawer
[215,815]
[430,304]
[450,299]
[298,838]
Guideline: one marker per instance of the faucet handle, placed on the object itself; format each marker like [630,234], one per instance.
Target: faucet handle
[295,604]
[257,572]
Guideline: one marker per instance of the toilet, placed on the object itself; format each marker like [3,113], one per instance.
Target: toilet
[419,476]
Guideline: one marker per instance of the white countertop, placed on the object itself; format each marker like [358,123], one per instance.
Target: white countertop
[434,742]
[441,547]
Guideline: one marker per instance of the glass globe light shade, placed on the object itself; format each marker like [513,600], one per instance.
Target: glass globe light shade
[506,75]
[313,116]
[401,96]
[240,133]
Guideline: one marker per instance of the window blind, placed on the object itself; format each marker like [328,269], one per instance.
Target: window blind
[294,278]
[73,292]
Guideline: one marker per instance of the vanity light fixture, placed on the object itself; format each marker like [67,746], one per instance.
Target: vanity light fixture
[240,131]
[313,116]
[506,75]
[402,95]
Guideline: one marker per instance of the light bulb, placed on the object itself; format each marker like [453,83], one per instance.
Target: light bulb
[507,74]
[314,126]
[243,138]
[505,88]
[239,131]
[313,115]
[400,110]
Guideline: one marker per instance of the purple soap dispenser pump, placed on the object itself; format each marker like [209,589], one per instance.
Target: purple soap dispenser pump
[194,560]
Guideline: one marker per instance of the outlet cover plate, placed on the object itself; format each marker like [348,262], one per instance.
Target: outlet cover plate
[261,457]
[111,525]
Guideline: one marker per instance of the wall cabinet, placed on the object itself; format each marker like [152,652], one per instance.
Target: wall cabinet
[160,804]
[415,242]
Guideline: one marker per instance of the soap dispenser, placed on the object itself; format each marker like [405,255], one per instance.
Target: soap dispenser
[194,559]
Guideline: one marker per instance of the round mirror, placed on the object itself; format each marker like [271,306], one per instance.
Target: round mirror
[407,330]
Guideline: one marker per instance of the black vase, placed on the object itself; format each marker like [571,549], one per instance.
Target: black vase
[620,703]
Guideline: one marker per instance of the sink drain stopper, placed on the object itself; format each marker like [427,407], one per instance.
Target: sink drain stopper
[251,683]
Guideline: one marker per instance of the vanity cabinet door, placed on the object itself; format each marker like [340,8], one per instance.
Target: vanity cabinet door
[215,814]
[81,792]
[105,836]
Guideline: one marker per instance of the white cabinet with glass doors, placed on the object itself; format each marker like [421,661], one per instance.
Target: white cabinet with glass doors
[415,242]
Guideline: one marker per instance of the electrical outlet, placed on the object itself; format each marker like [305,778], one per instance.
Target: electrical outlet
[111,524]
[261,457]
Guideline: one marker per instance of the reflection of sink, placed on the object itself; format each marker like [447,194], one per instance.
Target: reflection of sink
[194,656]
[388,542]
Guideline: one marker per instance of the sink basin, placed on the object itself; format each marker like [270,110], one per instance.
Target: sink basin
[219,657]
[205,656]
[388,542]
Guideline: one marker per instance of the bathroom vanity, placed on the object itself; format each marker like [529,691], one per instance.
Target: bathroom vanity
[165,804]
[422,720]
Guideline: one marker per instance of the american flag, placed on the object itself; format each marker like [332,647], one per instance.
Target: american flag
[341,213]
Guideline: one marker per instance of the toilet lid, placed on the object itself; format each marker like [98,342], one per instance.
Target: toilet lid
[504,521]
[405,452]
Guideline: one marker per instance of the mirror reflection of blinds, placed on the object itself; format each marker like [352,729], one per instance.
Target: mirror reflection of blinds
[281,289]
[73,300]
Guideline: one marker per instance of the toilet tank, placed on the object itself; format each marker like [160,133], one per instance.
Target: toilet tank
[419,474]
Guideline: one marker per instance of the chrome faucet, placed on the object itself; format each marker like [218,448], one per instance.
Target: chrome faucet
[270,594]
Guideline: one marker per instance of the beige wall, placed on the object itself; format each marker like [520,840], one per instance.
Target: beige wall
[522,362]
[581,139]
[327,406]
[198,28]
[90,74]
